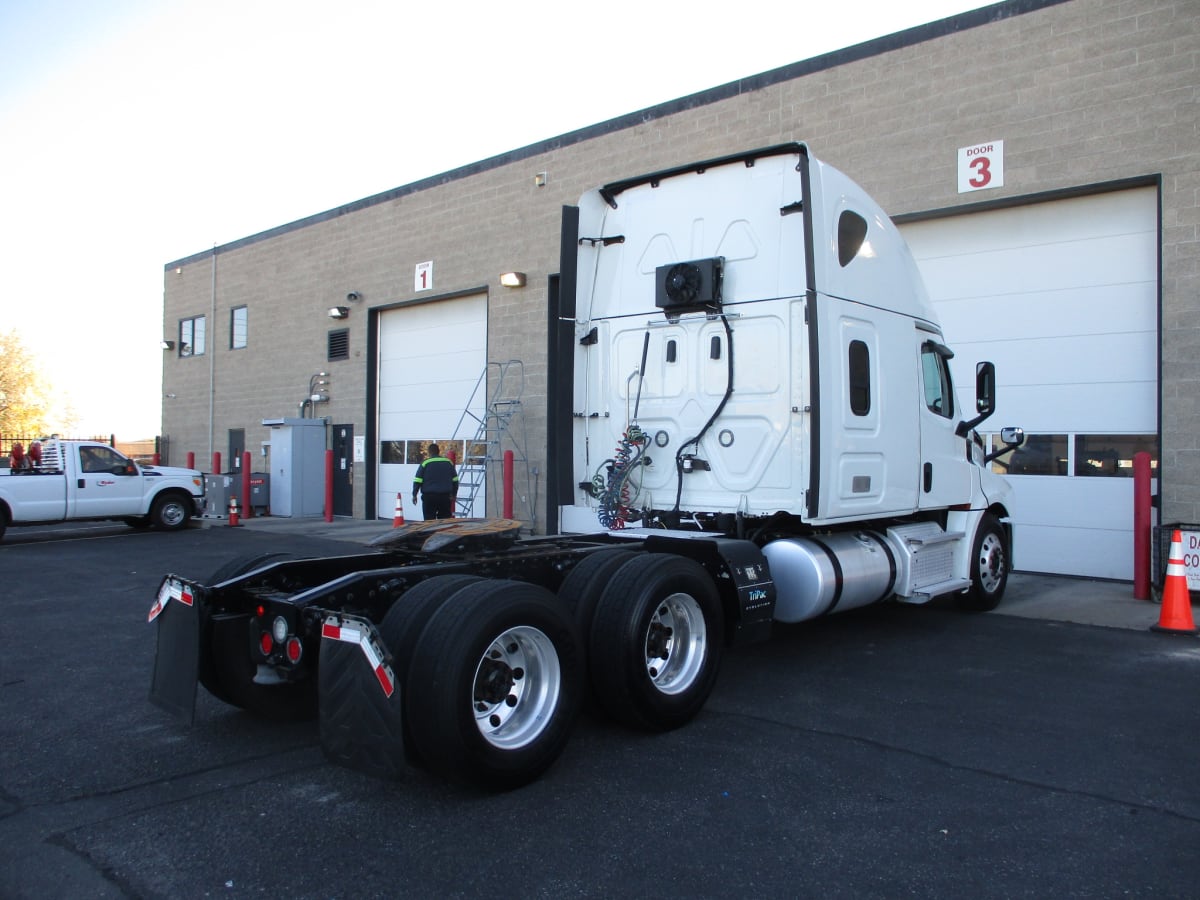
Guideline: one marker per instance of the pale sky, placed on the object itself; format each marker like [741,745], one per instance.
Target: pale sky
[137,132]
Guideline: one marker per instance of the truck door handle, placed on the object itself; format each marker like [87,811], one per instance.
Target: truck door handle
[81,483]
[928,477]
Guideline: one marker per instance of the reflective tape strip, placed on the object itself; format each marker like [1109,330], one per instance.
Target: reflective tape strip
[171,589]
[352,633]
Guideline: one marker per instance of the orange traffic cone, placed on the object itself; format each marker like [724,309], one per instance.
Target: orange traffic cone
[234,515]
[1176,614]
[398,516]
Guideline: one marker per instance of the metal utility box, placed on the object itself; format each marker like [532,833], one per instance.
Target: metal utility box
[217,491]
[260,492]
[297,483]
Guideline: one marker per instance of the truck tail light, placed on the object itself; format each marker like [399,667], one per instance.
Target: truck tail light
[295,649]
[265,644]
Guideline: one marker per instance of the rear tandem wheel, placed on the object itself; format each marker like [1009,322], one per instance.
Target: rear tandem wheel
[494,685]
[656,641]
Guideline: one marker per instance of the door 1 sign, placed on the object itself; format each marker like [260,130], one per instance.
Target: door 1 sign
[981,167]
[423,276]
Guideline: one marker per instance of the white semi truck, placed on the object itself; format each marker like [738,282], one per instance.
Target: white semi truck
[752,421]
[79,480]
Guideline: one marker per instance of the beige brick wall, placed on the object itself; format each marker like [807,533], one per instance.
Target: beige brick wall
[1083,92]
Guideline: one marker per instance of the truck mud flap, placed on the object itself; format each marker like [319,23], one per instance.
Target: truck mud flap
[177,656]
[359,703]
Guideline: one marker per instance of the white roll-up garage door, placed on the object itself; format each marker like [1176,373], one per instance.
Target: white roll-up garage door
[1063,297]
[431,357]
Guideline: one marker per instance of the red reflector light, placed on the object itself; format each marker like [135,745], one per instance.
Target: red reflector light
[260,610]
[295,649]
[266,644]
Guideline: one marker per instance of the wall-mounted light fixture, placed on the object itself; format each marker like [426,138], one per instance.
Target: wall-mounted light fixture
[512,279]
[539,180]
[339,312]
[167,345]
[353,297]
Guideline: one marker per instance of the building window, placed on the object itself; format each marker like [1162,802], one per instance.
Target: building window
[1112,455]
[191,336]
[237,328]
[339,344]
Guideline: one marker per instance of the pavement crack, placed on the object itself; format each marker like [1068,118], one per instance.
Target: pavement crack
[975,770]
[105,872]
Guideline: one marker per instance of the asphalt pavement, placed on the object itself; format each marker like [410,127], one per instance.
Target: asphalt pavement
[890,751]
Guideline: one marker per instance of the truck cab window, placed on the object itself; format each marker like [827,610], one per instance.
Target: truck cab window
[860,378]
[99,459]
[935,373]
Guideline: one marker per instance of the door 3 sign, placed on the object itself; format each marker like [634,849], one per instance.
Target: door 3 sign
[981,167]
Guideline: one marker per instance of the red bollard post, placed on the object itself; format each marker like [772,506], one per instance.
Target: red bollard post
[508,484]
[328,485]
[191,460]
[1141,526]
[247,507]
[216,462]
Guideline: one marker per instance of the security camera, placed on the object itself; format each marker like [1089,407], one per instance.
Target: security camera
[354,296]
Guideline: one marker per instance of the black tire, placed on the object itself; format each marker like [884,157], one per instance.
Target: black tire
[584,584]
[171,511]
[990,564]
[227,670]
[656,604]
[402,627]
[494,685]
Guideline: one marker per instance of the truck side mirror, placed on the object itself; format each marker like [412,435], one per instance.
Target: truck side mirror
[985,388]
[1012,437]
[985,397]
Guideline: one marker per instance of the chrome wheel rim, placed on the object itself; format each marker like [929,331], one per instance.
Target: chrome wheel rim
[676,644]
[991,562]
[516,688]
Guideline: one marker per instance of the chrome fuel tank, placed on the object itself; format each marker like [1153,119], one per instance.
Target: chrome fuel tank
[818,575]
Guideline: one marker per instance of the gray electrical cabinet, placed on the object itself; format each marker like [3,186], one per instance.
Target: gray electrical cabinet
[297,482]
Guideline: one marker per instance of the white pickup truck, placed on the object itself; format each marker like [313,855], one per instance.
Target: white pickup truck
[86,480]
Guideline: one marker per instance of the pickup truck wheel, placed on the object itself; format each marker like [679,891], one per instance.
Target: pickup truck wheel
[989,567]
[656,642]
[584,584]
[402,626]
[494,685]
[170,512]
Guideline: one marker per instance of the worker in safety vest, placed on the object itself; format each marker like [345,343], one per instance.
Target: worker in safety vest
[437,481]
